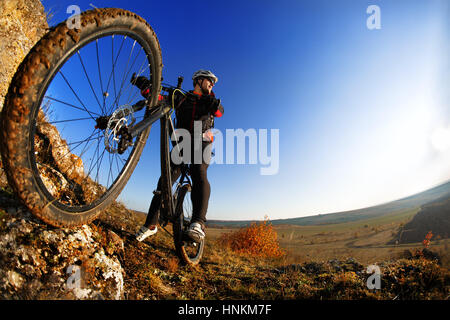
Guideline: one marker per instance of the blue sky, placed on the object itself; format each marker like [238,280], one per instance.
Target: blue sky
[363,115]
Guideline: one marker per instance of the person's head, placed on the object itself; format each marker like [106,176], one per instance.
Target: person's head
[203,81]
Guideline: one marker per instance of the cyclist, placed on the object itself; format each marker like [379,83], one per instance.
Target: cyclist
[199,104]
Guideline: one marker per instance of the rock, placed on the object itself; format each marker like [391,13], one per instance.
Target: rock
[115,243]
[68,164]
[35,260]
[34,285]
[111,269]
[15,279]
[335,264]
[82,293]
[22,24]
[3,179]
[84,235]
[313,267]
[62,172]
[352,265]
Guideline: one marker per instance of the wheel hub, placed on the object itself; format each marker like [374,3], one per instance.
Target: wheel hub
[117,137]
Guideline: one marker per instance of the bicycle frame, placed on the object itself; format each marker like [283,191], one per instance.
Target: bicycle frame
[161,112]
[168,205]
[158,113]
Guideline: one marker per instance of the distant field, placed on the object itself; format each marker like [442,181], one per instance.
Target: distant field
[363,240]
[391,208]
[361,234]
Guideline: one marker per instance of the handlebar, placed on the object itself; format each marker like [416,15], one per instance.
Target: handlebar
[180,81]
[145,86]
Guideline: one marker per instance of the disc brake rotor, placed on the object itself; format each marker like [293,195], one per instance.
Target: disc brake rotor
[120,120]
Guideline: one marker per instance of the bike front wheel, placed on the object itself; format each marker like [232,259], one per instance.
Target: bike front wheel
[65,110]
[189,252]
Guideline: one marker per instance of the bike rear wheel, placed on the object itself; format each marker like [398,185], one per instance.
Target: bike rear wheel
[63,166]
[189,252]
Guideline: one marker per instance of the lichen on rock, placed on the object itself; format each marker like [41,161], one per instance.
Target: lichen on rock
[22,24]
[35,260]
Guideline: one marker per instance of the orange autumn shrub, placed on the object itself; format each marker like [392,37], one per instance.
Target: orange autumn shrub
[259,239]
[427,241]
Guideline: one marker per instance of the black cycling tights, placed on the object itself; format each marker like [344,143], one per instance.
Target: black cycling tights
[201,191]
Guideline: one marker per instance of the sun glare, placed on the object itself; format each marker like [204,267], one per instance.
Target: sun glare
[410,138]
[440,139]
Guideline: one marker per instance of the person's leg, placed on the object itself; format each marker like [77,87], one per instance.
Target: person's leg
[150,225]
[201,191]
[153,211]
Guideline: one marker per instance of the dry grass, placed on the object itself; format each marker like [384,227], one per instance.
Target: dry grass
[328,269]
[365,241]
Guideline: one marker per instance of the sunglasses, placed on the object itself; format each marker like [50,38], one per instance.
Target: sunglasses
[211,80]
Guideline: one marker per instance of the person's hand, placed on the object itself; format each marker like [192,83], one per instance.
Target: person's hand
[141,82]
[211,102]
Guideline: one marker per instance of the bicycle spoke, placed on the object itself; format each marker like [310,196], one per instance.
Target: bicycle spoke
[141,71]
[113,65]
[122,160]
[78,143]
[114,61]
[100,75]
[85,148]
[89,80]
[71,151]
[98,165]
[78,98]
[92,165]
[117,164]
[71,120]
[125,76]
[80,156]
[81,141]
[110,168]
[70,105]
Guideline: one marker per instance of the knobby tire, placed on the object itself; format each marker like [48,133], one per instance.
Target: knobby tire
[23,102]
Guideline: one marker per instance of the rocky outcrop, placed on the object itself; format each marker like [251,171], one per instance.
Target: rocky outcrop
[61,171]
[22,24]
[36,260]
[40,262]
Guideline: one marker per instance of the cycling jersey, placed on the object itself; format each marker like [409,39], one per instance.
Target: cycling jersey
[197,107]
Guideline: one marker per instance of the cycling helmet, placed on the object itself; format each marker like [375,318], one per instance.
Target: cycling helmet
[205,74]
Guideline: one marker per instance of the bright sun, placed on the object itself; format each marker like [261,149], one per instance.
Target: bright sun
[440,139]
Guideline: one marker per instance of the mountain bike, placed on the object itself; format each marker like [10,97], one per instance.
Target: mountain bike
[74,125]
